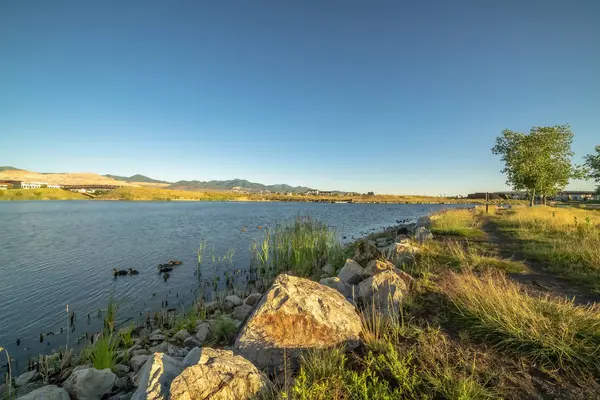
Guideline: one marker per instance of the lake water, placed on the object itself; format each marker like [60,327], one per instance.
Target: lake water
[57,253]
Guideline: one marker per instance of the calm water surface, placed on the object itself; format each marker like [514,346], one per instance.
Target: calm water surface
[58,253]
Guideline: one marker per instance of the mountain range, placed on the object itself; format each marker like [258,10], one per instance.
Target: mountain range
[12,173]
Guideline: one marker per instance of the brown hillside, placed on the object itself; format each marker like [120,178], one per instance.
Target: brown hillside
[65,179]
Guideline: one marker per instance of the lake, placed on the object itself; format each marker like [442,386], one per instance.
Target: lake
[56,253]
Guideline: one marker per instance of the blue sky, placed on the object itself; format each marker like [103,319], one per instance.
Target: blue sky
[389,96]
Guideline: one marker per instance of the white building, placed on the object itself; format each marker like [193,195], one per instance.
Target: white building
[52,186]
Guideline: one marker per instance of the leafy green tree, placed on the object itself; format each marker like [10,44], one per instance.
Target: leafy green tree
[538,162]
[592,162]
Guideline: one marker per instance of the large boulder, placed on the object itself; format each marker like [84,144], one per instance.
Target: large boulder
[241,312]
[50,392]
[90,383]
[400,253]
[365,252]
[336,283]
[218,375]
[351,272]
[383,291]
[180,336]
[296,314]
[156,376]
[231,301]
[424,221]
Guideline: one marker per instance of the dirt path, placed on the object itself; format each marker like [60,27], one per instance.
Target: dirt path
[537,279]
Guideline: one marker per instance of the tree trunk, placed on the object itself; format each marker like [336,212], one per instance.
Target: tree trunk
[544,199]
[532,200]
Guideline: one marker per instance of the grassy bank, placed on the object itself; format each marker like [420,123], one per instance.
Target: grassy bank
[564,241]
[40,194]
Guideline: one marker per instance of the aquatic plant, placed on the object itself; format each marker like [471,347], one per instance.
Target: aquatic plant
[111,315]
[103,353]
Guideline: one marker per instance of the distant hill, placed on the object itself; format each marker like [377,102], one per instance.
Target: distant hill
[241,183]
[135,178]
[7,168]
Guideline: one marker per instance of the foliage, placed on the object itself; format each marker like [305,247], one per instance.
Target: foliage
[111,315]
[126,337]
[566,241]
[552,331]
[459,222]
[592,162]
[103,352]
[302,247]
[539,162]
[223,331]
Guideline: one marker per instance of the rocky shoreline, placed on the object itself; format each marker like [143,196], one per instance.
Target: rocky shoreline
[271,332]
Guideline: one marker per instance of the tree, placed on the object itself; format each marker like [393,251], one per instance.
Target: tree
[592,162]
[538,162]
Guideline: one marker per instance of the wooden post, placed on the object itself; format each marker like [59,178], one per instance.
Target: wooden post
[487,202]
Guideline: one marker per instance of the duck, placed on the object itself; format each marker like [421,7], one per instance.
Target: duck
[174,262]
[164,268]
[132,271]
[117,272]
[166,276]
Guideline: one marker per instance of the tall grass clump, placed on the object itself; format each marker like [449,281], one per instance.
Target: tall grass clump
[565,240]
[302,248]
[103,352]
[462,222]
[552,331]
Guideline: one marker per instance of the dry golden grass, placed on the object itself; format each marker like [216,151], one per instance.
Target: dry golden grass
[75,178]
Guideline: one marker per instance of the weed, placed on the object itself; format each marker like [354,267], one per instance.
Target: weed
[460,222]
[223,331]
[125,335]
[103,354]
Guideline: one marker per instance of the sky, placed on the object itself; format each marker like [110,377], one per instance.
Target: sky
[384,96]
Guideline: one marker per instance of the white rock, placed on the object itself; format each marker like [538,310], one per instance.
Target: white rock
[218,375]
[90,384]
[351,273]
[423,234]
[156,376]
[50,392]
[383,291]
[401,253]
[296,314]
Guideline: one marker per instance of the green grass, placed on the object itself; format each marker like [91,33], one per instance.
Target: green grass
[565,241]
[103,352]
[40,194]
[302,248]
[551,331]
[126,337]
[457,223]
[223,331]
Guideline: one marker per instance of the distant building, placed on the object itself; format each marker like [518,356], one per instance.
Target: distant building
[28,185]
[3,186]
[576,195]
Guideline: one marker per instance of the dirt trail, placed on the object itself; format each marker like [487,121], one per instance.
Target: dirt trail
[537,279]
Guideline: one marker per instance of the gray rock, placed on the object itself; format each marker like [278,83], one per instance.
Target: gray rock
[180,336]
[383,291]
[253,299]
[160,348]
[374,267]
[351,273]
[191,342]
[50,392]
[134,348]
[156,376]
[156,336]
[211,306]
[140,352]
[120,370]
[193,357]
[26,377]
[137,362]
[241,312]
[423,234]
[90,384]
[296,314]
[366,252]
[123,384]
[218,375]
[424,221]
[203,330]
[401,253]
[26,388]
[231,301]
[328,269]
[175,351]
[336,283]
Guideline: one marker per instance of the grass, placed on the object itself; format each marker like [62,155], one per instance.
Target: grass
[551,331]
[125,336]
[460,222]
[40,194]
[565,241]
[301,248]
[223,331]
[103,352]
